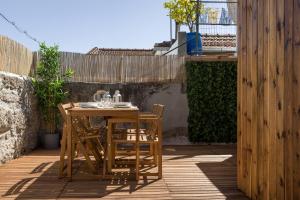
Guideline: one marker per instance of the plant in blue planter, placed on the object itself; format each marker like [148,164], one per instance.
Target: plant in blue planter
[191,44]
[185,12]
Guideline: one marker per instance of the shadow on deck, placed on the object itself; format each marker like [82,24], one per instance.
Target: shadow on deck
[189,172]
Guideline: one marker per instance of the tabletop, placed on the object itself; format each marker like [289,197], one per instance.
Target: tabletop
[103,111]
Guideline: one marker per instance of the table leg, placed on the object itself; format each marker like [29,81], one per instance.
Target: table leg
[69,147]
[137,150]
[109,138]
[63,151]
[159,149]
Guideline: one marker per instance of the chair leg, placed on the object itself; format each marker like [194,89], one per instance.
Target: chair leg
[155,153]
[104,162]
[159,149]
[63,147]
[137,150]
[88,159]
[151,149]
[159,160]
[113,153]
[109,143]
[94,150]
[74,151]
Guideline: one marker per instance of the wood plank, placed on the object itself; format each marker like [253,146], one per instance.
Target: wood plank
[243,64]
[280,132]
[288,83]
[238,107]
[249,97]
[254,100]
[272,100]
[296,100]
[211,58]
[260,103]
[69,147]
[264,191]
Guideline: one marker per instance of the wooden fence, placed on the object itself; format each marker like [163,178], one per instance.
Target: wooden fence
[269,99]
[14,57]
[122,69]
[17,59]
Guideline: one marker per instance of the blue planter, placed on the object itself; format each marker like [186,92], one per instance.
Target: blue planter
[191,44]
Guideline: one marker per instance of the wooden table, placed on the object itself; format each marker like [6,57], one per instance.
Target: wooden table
[131,113]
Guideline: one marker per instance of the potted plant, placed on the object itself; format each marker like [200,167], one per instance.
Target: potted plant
[185,12]
[48,83]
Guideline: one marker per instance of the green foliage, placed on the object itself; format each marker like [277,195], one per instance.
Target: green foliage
[48,84]
[184,11]
[211,91]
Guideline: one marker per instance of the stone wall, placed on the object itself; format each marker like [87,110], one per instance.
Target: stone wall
[144,95]
[18,116]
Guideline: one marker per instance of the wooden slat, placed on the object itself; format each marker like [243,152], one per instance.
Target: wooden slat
[249,96]
[243,68]
[211,58]
[260,187]
[264,191]
[272,100]
[254,99]
[288,121]
[280,132]
[296,100]
[239,97]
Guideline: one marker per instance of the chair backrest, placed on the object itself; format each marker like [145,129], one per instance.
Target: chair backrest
[63,108]
[82,120]
[158,110]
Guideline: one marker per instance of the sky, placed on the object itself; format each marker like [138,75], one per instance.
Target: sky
[80,25]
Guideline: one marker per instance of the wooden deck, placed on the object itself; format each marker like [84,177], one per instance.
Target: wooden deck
[189,172]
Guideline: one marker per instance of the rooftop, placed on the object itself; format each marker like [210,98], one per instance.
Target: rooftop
[208,41]
[121,52]
[219,40]
[164,43]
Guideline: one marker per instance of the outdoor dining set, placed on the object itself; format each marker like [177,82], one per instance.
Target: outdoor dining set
[124,138]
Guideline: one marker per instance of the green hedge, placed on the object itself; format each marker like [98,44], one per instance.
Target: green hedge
[211,91]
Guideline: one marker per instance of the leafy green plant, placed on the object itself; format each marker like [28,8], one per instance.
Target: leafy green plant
[184,11]
[211,91]
[48,83]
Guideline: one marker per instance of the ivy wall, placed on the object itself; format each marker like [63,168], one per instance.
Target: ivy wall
[211,91]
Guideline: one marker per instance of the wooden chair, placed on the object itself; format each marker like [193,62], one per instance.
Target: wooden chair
[85,137]
[151,135]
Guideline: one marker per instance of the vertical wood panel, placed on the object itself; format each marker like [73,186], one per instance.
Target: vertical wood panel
[270,67]
[266,130]
[280,132]
[254,109]
[288,96]
[260,104]
[249,97]
[243,67]
[239,97]
[296,100]
[272,100]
